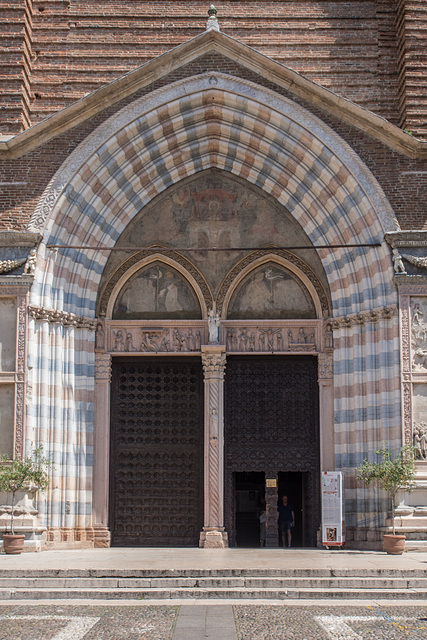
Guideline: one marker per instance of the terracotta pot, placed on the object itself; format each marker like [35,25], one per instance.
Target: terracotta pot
[394,544]
[13,544]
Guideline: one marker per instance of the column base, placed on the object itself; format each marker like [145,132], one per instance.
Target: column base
[102,537]
[213,539]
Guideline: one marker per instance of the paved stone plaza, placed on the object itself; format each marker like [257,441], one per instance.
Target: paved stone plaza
[38,618]
[215,622]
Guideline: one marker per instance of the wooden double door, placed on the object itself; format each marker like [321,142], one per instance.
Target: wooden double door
[157,443]
[156,452]
[272,433]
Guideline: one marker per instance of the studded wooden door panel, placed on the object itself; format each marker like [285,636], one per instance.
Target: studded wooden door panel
[271,426]
[156,471]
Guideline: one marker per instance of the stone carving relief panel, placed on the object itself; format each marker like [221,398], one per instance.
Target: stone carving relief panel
[413,337]
[8,334]
[419,413]
[146,338]
[418,313]
[270,338]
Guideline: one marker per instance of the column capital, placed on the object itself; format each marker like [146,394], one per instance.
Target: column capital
[214,359]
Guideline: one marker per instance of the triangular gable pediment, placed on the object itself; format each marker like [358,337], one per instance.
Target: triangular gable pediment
[207,43]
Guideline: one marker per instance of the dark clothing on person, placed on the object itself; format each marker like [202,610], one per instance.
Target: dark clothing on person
[285,517]
[285,512]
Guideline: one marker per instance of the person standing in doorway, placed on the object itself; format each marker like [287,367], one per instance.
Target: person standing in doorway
[286,521]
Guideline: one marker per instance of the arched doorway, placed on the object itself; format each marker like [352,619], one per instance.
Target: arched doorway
[326,197]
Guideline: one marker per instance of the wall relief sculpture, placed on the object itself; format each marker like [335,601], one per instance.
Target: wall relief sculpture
[419,333]
[156,292]
[145,339]
[270,339]
[420,441]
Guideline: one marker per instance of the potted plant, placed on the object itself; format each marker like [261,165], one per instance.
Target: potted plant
[31,473]
[390,475]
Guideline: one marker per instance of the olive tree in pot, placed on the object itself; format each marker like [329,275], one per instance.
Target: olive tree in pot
[391,475]
[16,475]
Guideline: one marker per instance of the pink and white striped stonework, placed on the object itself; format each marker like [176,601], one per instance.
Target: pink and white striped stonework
[246,121]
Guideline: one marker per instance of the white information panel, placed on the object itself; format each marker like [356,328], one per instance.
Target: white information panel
[333,531]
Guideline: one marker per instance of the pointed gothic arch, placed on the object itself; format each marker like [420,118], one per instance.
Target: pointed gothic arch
[269,141]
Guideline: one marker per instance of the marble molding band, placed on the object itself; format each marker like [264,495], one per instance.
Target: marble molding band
[62,317]
[375,315]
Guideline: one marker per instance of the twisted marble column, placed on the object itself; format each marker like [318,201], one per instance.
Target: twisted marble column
[101,449]
[213,534]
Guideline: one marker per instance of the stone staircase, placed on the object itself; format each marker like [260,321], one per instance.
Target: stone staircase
[250,584]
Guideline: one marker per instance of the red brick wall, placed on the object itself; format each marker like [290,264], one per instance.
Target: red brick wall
[15,64]
[403,180]
[348,46]
[412,30]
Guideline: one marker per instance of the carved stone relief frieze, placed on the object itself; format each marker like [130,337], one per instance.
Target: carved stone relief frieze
[413,340]
[282,338]
[143,338]
[20,375]
[420,440]
[418,314]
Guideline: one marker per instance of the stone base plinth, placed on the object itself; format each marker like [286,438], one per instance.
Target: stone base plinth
[102,537]
[213,539]
[70,538]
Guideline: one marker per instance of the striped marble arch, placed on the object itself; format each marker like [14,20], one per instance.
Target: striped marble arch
[220,121]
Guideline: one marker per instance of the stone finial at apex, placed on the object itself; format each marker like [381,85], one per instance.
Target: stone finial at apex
[212,22]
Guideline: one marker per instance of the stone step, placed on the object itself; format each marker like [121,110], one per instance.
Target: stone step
[367,582]
[282,572]
[237,593]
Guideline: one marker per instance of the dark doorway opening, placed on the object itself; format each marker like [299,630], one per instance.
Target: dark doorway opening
[272,423]
[249,496]
[292,484]
[156,452]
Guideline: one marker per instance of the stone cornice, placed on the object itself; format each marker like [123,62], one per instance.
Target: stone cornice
[19,239]
[62,317]
[213,42]
[22,282]
[375,315]
[412,239]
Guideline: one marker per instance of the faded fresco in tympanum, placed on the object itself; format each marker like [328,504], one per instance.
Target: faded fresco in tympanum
[156,292]
[214,219]
[271,292]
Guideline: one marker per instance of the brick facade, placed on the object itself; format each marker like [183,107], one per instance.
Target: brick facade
[58,51]
[412,38]
[401,178]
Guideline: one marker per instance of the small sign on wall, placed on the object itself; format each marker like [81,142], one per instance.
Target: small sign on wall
[333,532]
[271,482]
